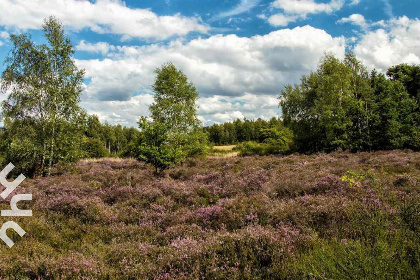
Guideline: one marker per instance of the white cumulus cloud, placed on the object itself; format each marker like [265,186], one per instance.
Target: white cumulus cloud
[355,19]
[101,16]
[227,65]
[100,47]
[281,20]
[397,42]
[292,10]
[126,113]
[305,7]
[239,69]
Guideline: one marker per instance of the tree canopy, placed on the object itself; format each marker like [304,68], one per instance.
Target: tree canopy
[342,106]
[42,108]
[172,133]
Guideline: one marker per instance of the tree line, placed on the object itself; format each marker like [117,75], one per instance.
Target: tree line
[339,106]
[105,140]
[242,130]
[343,106]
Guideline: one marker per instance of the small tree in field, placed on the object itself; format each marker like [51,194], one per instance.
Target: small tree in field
[173,133]
[155,147]
[42,108]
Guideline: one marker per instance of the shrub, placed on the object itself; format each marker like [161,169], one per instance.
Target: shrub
[94,148]
[250,148]
[268,147]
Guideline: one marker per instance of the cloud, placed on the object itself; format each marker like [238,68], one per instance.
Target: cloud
[4,36]
[388,8]
[397,42]
[101,47]
[102,16]
[305,7]
[126,113]
[228,116]
[355,2]
[227,65]
[355,19]
[215,109]
[281,20]
[115,80]
[236,70]
[299,9]
[243,7]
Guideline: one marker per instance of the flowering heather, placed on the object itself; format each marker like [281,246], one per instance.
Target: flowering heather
[325,216]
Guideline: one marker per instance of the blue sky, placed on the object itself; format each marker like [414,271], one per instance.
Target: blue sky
[238,53]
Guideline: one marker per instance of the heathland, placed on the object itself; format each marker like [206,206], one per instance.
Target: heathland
[322,216]
[174,204]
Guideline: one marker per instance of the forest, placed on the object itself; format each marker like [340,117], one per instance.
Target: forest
[329,190]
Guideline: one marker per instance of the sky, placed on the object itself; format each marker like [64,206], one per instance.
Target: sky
[238,53]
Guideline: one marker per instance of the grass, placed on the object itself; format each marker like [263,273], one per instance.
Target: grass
[224,148]
[223,152]
[324,216]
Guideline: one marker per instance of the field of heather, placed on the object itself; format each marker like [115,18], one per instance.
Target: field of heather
[335,216]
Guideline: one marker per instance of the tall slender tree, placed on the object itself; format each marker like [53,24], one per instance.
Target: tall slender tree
[44,87]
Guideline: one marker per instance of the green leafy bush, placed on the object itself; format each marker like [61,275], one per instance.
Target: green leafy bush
[94,148]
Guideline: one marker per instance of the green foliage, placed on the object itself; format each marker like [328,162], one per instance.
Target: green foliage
[117,140]
[242,131]
[94,148]
[341,106]
[175,100]
[196,145]
[250,148]
[174,132]
[355,260]
[394,121]
[20,146]
[409,76]
[274,142]
[410,213]
[352,178]
[45,88]
[156,147]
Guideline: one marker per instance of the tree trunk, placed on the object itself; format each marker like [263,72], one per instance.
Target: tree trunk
[52,151]
[44,151]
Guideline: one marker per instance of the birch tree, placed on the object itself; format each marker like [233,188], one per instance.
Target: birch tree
[173,132]
[44,88]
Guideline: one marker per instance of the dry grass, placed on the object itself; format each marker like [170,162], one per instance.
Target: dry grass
[224,148]
[223,152]
[112,159]
[222,155]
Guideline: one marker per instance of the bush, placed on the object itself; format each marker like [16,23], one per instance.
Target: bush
[94,148]
[269,147]
[250,148]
